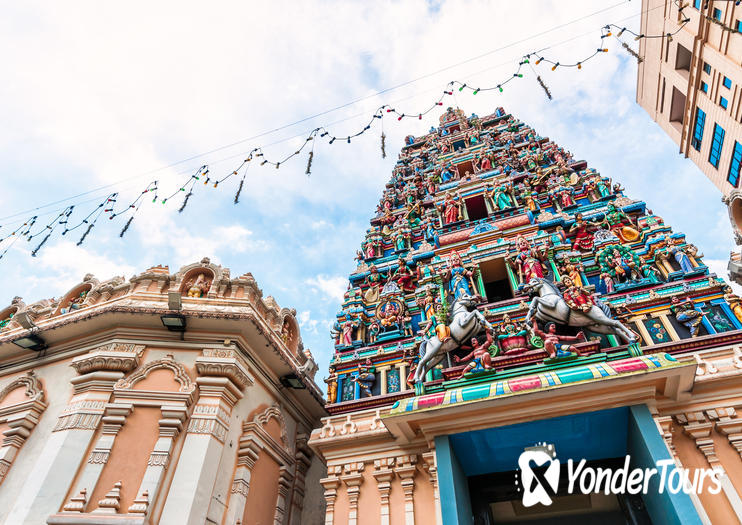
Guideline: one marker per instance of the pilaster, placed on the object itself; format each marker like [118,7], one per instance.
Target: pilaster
[406,469]
[49,480]
[222,378]
[246,458]
[331,484]
[384,475]
[353,478]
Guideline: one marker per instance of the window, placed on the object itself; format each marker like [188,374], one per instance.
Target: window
[716,146]
[698,129]
[738,26]
[717,14]
[705,87]
[697,4]
[727,83]
[677,106]
[706,68]
[733,175]
[682,58]
[723,102]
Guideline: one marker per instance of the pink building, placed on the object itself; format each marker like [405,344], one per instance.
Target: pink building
[183,398]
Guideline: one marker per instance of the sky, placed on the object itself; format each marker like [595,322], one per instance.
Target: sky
[100,97]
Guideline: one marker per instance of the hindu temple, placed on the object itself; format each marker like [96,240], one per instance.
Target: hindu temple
[172,397]
[509,299]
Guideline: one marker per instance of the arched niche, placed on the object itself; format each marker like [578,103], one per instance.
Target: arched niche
[290,333]
[197,282]
[6,316]
[74,299]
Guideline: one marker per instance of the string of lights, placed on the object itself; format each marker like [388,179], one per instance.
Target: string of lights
[107,207]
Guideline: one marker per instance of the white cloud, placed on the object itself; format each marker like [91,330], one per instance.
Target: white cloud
[333,287]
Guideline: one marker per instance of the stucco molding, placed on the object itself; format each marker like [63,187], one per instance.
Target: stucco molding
[187,385]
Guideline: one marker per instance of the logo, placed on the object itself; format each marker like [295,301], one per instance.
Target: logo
[539,470]
[539,473]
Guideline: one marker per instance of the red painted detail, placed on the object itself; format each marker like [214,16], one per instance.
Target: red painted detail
[430,400]
[512,222]
[456,236]
[628,365]
[524,383]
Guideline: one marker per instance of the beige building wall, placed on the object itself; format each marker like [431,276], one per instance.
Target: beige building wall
[674,71]
[120,420]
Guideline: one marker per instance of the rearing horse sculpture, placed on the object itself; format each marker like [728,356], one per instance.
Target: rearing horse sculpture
[549,306]
[466,322]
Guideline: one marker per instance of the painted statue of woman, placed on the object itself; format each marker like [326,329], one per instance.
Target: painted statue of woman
[681,257]
[583,238]
[502,199]
[528,261]
[458,277]
[451,210]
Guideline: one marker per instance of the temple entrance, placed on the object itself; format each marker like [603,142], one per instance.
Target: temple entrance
[495,501]
[482,472]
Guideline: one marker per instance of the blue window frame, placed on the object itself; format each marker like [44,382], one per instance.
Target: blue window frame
[716,145]
[738,26]
[698,129]
[697,4]
[733,175]
[727,83]
[705,87]
[717,14]
[706,68]
[723,102]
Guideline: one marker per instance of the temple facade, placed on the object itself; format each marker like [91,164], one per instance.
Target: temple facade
[513,309]
[183,398]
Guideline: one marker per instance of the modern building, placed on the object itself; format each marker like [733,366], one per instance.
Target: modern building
[182,398]
[690,83]
[483,221]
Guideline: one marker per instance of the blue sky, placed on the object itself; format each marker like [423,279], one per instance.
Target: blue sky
[99,94]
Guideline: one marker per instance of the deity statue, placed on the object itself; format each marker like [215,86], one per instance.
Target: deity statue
[479,358]
[620,224]
[499,197]
[686,314]
[77,302]
[680,256]
[572,270]
[366,377]
[528,260]
[512,337]
[285,332]
[576,297]
[733,301]
[199,287]
[373,280]
[430,233]
[403,276]
[347,331]
[458,283]
[332,386]
[373,332]
[451,209]
[554,344]
[583,238]
[529,197]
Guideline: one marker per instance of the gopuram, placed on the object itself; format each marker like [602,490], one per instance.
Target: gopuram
[168,398]
[510,300]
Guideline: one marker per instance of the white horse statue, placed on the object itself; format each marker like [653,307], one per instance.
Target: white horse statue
[549,306]
[466,322]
